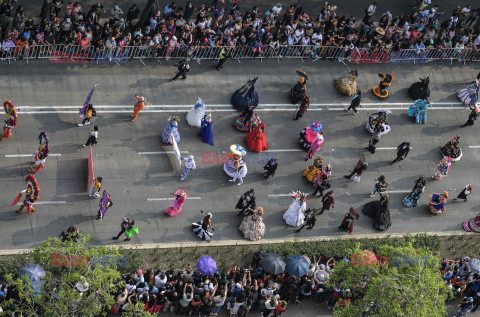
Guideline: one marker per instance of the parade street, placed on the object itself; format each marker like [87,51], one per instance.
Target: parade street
[140,172]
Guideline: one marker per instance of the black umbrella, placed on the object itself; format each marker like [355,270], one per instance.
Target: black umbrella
[272,263]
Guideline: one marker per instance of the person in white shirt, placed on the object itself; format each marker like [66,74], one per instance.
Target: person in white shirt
[476,43]
[276,9]
[371,9]
[317,38]
[189,166]
[92,139]
[425,3]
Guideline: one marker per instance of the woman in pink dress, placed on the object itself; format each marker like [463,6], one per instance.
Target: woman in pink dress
[315,146]
[176,207]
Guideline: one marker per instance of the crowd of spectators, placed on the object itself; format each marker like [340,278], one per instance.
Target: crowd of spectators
[178,30]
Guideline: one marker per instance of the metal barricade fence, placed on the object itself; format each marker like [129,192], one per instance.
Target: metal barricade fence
[60,53]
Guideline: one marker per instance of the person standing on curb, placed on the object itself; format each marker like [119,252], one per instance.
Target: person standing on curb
[92,139]
[402,152]
[359,169]
[355,102]
[328,201]
[138,107]
[96,188]
[88,115]
[126,225]
[304,105]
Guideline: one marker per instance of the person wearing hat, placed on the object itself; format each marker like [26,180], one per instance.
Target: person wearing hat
[348,220]
[240,173]
[138,107]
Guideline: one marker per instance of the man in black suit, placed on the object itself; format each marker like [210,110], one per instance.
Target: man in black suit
[402,152]
[355,102]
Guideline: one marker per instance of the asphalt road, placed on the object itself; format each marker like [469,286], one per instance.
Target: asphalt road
[47,96]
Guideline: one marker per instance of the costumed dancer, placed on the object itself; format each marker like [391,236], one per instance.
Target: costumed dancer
[295,216]
[176,207]
[377,122]
[270,168]
[138,107]
[246,202]
[467,190]
[298,92]
[189,166]
[472,224]
[202,228]
[381,90]
[443,168]
[196,114]
[420,90]
[206,133]
[252,226]
[379,212]
[328,200]
[41,154]
[469,95]
[313,170]
[31,192]
[437,202]
[245,96]
[412,199]
[171,128]
[347,85]
[315,146]
[89,113]
[309,135]
[304,105]
[310,220]
[320,183]
[247,120]
[419,110]
[11,121]
[256,139]
[452,149]
[235,166]
[348,220]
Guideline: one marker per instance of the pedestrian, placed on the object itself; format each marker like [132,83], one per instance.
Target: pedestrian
[355,102]
[380,186]
[247,201]
[358,170]
[91,112]
[92,139]
[310,220]
[189,166]
[109,204]
[270,168]
[223,57]
[320,182]
[348,220]
[328,201]
[282,305]
[183,68]
[467,190]
[126,225]
[372,143]
[471,117]
[96,187]
[304,105]
[138,107]
[402,152]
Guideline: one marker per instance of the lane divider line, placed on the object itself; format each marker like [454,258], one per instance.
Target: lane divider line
[170,198]
[46,203]
[474,147]
[159,153]
[404,191]
[28,155]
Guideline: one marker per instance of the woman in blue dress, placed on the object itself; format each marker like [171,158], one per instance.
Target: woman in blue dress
[412,198]
[419,110]
[207,134]
[171,128]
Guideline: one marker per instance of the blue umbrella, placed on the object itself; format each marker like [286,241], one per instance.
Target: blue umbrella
[33,271]
[206,265]
[296,265]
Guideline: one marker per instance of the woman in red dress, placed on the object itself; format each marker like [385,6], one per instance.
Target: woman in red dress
[256,139]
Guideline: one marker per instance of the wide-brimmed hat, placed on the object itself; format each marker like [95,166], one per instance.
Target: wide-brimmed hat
[380,30]
[238,149]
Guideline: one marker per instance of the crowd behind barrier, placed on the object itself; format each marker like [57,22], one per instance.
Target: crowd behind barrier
[76,54]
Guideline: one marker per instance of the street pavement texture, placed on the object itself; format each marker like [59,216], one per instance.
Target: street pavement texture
[47,97]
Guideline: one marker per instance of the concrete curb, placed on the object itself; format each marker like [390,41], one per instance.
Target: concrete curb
[227,243]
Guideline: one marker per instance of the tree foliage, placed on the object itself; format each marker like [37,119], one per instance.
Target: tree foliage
[407,284]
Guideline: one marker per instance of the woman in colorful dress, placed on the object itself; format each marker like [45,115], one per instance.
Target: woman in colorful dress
[315,146]
[196,114]
[207,134]
[313,170]
[247,120]
[437,202]
[256,139]
[176,207]
[171,128]
[419,110]
[443,168]
[252,226]
[412,199]
[472,224]
[201,228]
[467,190]
[295,215]
[469,95]
[309,135]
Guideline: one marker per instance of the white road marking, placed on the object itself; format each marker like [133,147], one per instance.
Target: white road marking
[28,155]
[280,195]
[46,203]
[170,198]
[397,191]
[386,148]
[158,153]
[474,147]
[285,150]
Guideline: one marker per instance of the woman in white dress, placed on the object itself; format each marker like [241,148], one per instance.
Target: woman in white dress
[196,114]
[295,216]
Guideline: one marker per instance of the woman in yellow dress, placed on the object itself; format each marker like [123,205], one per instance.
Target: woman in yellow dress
[313,170]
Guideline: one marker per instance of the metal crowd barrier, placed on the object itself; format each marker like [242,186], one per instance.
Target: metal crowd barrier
[76,54]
